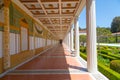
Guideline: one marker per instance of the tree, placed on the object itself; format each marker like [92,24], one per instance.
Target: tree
[102,35]
[102,31]
[115,25]
[83,39]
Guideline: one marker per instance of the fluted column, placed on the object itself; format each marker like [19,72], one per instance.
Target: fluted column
[91,36]
[77,47]
[71,40]
[6,36]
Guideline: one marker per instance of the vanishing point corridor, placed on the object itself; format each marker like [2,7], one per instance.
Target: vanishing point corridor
[56,63]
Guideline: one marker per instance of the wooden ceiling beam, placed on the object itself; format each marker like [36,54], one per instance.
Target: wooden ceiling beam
[57,24]
[26,2]
[61,2]
[55,16]
[43,8]
[60,12]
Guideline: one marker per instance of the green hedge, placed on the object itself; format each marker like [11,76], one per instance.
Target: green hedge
[83,49]
[103,47]
[104,61]
[108,57]
[114,55]
[112,75]
[115,65]
[83,55]
[104,51]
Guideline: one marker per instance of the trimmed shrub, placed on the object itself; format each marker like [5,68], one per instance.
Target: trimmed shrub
[108,57]
[83,49]
[115,51]
[112,47]
[104,51]
[103,47]
[83,55]
[114,55]
[115,65]
[104,61]
[107,49]
[109,73]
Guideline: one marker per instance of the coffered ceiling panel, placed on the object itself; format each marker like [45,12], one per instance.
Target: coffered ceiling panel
[56,15]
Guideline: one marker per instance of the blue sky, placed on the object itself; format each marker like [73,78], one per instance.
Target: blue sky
[106,10]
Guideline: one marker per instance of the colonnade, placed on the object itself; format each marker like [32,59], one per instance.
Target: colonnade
[72,40]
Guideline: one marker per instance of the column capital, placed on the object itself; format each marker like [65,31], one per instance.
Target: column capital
[7,3]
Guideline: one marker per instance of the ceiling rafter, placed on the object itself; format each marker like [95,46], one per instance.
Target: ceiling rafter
[29,2]
[57,24]
[61,2]
[44,10]
[54,16]
[42,7]
[60,10]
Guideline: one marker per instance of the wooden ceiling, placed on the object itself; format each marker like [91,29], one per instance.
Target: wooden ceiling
[56,15]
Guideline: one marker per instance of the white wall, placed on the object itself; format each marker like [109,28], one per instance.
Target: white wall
[36,42]
[24,38]
[12,44]
[43,42]
[39,42]
[1,42]
[17,37]
[31,42]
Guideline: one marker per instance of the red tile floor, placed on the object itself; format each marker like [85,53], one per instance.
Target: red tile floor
[55,64]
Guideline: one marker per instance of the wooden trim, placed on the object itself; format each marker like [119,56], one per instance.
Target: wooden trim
[25,25]
[21,38]
[30,33]
[14,28]
[1,24]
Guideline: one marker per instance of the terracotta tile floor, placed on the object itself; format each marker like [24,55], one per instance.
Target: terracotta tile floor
[55,64]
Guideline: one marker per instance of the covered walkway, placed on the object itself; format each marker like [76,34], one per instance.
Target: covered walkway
[30,30]
[55,63]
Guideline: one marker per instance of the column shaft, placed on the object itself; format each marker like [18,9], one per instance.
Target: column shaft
[76,37]
[6,36]
[91,36]
[71,39]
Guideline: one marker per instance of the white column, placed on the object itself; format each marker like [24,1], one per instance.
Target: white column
[91,36]
[77,47]
[71,39]
[67,40]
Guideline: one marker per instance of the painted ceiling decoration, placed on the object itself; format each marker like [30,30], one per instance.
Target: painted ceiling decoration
[56,15]
[38,29]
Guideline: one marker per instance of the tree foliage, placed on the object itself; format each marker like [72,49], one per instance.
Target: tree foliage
[102,31]
[102,34]
[115,25]
[83,39]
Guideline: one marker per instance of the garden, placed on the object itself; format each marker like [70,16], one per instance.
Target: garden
[108,60]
